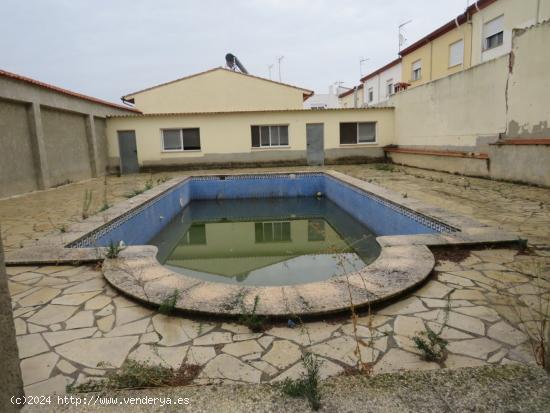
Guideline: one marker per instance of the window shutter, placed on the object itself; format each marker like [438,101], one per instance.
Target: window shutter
[367,131]
[348,133]
[456,53]
[493,27]
[255,130]
[171,139]
[417,65]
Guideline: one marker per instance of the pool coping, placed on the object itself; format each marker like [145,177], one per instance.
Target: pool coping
[405,261]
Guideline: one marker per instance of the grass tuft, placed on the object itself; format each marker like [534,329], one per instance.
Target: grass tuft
[134,375]
[306,386]
[431,344]
[252,320]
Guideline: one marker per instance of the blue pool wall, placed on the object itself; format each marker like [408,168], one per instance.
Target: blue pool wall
[139,226]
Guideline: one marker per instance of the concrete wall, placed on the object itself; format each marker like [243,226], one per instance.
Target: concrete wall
[528,94]
[226,137]
[48,137]
[218,90]
[16,145]
[11,383]
[521,163]
[462,166]
[455,110]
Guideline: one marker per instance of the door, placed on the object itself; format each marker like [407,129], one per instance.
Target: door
[315,143]
[128,152]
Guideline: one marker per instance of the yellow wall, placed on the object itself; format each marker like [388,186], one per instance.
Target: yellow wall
[435,56]
[219,90]
[229,133]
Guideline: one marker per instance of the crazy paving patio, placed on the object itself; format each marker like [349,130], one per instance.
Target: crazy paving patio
[73,327]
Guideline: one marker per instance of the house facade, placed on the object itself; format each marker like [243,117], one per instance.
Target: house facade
[352,98]
[483,32]
[379,85]
[218,90]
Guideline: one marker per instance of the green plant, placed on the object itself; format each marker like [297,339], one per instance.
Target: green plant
[105,204]
[384,167]
[148,183]
[134,192]
[88,195]
[307,385]
[134,374]
[113,250]
[162,179]
[252,320]
[431,344]
[168,305]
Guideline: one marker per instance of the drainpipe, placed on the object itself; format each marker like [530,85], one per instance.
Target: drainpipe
[538,12]
[355,96]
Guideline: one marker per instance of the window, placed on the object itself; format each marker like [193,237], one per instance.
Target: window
[266,136]
[181,139]
[371,94]
[493,34]
[272,231]
[416,70]
[196,235]
[456,53]
[389,87]
[357,132]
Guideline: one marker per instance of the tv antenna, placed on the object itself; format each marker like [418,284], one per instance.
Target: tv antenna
[361,61]
[402,39]
[279,58]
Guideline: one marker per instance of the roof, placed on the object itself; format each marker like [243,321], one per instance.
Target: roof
[10,75]
[307,93]
[144,115]
[349,92]
[447,27]
[382,69]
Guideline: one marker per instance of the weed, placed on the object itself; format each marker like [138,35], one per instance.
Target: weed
[133,193]
[306,386]
[88,195]
[134,375]
[162,179]
[431,344]
[533,313]
[168,305]
[105,204]
[113,250]
[149,183]
[384,167]
[252,320]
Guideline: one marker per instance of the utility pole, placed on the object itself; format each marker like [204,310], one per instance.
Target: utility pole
[402,39]
[269,67]
[361,61]
[279,58]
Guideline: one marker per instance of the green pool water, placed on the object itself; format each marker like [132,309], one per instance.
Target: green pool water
[280,241]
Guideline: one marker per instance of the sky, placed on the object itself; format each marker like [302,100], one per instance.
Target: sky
[109,48]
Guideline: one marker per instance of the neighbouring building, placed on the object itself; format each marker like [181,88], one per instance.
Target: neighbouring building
[379,85]
[218,90]
[483,32]
[352,98]
[324,100]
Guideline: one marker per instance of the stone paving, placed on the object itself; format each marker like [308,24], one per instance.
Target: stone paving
[73,327]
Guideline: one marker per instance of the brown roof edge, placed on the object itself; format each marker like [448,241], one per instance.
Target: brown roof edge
[382,69]
[447,27]
[307,93]
[145,115]
[57,89]
[349,92]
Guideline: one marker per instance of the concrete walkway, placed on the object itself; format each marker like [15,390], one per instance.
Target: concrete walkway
[483,389]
